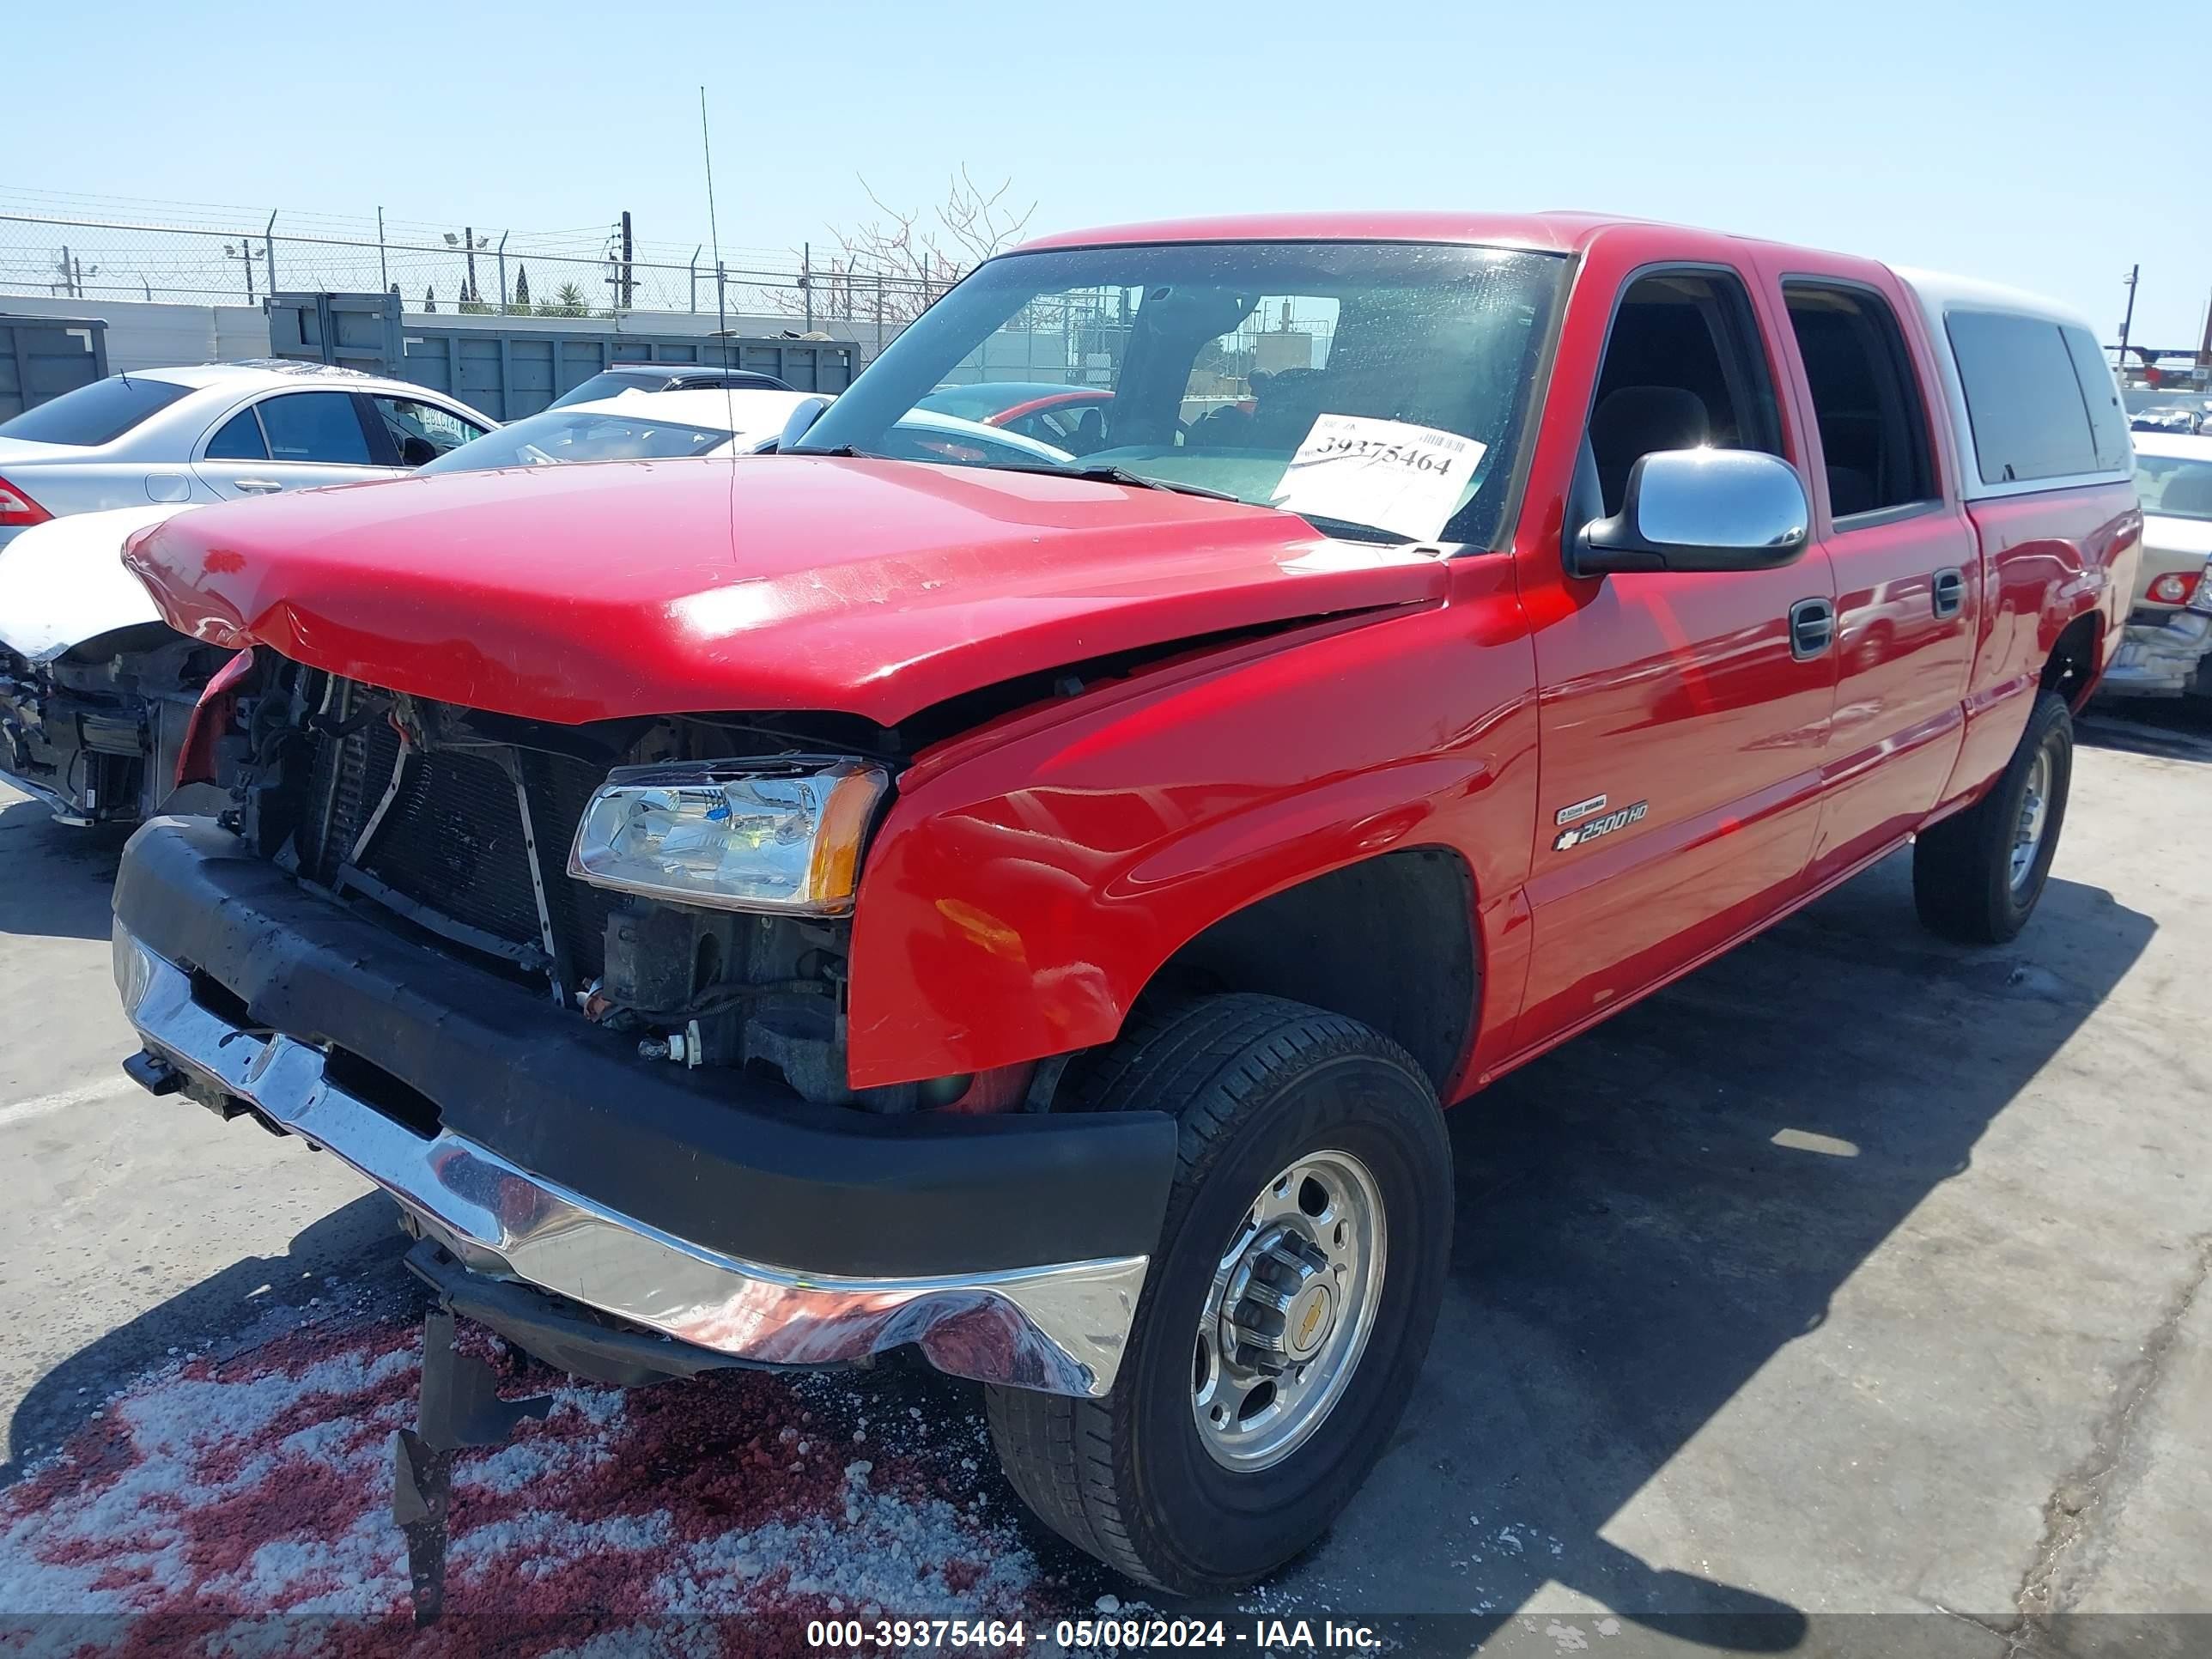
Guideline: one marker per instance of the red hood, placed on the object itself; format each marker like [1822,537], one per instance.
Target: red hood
[573,593]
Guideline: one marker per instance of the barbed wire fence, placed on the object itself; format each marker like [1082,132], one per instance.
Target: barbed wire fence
[95,255]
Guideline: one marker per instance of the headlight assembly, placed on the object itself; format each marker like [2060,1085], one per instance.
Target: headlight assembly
[775,835]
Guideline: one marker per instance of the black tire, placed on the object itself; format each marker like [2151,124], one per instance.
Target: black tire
[1258,1082]
[1962,880]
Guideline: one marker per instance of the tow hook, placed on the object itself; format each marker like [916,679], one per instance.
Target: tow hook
[459,1406]
[683,1047]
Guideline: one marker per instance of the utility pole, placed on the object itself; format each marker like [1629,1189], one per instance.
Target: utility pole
[806,279]
[629,282]
[2204,343]
[469,243]
[269,249]
[2128,321]
[383,275]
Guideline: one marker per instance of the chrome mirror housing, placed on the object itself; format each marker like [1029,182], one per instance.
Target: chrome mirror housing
[1700,509]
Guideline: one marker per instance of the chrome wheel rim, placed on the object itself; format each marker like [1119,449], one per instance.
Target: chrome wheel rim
[2034,813]
[1291,1309]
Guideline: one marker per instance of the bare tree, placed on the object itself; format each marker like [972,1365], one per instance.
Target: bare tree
[901,260]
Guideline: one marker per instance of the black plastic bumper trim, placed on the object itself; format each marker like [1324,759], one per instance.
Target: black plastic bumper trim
[724,1160]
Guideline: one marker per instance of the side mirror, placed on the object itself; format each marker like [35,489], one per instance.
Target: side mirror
[1699,509]
[802,416]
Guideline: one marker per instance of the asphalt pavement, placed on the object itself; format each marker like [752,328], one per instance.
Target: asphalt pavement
[1858,1274]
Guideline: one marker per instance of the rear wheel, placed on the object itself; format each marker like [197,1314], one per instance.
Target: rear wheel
[1977,876]
[1288,1309]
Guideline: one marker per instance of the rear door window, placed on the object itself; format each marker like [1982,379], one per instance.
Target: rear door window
[96,414]
[422,431]
[314,426]
[1866,399]
[2023,398]
[238,439]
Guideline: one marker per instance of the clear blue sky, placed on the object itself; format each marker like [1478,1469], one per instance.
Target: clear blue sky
[2002,142]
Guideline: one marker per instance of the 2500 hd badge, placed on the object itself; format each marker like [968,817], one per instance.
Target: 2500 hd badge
[1604,826]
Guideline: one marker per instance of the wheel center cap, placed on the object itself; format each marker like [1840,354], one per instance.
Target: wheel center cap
[1311,1314]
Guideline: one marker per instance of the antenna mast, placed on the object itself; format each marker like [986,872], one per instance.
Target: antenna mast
[715,231]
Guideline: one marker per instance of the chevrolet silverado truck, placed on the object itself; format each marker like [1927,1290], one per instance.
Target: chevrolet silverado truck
[894,893]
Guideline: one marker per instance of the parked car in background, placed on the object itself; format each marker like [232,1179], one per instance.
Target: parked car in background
[1036,911]
[219,432]
[1070,418]
[666,377]
[634,426]
[2168,645]
[2176,419]
[95,689]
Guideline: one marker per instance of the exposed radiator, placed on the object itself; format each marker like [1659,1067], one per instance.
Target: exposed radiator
[450,853]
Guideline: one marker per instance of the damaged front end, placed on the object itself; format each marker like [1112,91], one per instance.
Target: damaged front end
[95,732]
[685,883]
[637,1103]
[576,998]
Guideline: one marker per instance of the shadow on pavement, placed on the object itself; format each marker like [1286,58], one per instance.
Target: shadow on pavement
[2176,729]
[1633,1243]
[55,879]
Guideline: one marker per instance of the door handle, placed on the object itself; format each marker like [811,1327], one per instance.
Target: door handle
[1950,591]
[257,486]
[1812,628]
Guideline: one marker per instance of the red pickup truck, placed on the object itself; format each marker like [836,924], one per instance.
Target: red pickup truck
[1029,900]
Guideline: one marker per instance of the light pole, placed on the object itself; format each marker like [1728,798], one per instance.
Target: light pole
[244,252]
[2135,273]
[469,242]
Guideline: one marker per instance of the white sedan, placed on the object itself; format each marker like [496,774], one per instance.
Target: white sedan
[633,426]
[221,431]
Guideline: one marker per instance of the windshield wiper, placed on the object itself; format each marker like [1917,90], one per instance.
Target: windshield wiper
[843,453]
[1106,472]
[1350,530]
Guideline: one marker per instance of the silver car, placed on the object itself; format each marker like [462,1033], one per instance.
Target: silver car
[216,433]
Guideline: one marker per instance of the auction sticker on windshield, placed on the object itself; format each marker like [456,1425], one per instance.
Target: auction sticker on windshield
[1409,480]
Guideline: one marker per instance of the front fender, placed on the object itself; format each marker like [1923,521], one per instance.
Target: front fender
[1027,885]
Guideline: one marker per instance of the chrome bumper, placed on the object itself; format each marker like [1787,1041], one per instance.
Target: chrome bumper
[2159,659]
[1060,1328]
[65,810]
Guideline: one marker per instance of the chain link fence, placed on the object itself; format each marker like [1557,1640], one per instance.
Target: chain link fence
[466,270]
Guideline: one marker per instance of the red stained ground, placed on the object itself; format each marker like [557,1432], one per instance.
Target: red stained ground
[242,1506]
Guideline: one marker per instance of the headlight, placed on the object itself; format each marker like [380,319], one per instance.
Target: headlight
[732,834]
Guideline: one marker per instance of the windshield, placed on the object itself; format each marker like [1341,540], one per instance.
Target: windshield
[611,383]
[2175,487]
[556,436]
[96,414]
[1376,389]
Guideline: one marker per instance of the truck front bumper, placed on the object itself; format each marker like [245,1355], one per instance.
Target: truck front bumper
[715,1210]
[2162,655]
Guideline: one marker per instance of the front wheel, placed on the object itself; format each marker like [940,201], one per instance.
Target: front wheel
[1287,1311]
[1977,876]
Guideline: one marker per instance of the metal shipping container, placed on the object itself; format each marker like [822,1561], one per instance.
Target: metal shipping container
[42,357]
[510,366]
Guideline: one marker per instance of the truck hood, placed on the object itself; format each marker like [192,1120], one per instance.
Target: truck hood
[63,582]
[573,593]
